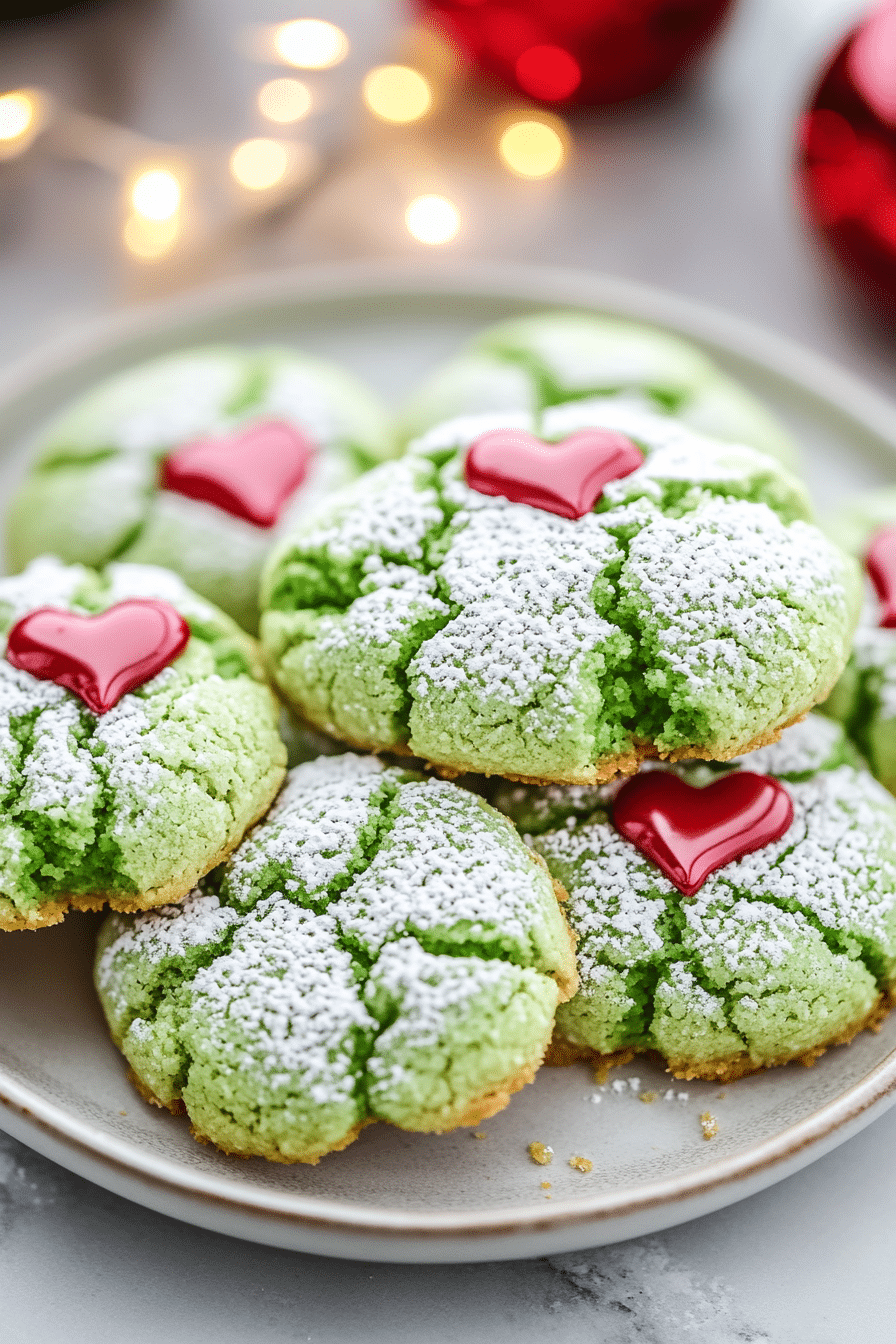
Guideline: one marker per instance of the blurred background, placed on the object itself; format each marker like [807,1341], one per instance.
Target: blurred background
[148,148]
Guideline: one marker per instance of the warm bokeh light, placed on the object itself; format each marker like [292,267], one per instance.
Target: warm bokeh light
[284,100]
[532,148]
[397,93]
[259,164]
[432,219]
[149,239]
[548,73]
[311,44]
[156,194]
[16,115]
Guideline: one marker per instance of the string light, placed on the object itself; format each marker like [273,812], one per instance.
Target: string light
[284,100]
[150,239]
[310,44]
[156,194]
[532,148]
[23,114]
[259,164]
[432,220]
[16,115]
[397,93]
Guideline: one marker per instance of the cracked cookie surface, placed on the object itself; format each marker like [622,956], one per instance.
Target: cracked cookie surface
[778,955]
[93,494]
[532,363]
[380,947]
[131,807]
[695,612]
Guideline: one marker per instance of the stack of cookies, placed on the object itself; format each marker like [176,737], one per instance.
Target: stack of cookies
[560,655]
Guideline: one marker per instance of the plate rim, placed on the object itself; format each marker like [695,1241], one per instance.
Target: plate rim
[774,355]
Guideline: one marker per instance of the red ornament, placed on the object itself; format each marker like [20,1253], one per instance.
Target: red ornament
[578,51]
[251,473]
[101,657]
[880,561]
[690,832]
[567,478]
[847,156]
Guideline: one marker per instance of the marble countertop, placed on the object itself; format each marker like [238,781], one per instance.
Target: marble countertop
[692,194]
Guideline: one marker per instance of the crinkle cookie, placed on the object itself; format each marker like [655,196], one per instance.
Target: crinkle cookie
[127,807]
[693,613]
[778,955]
[196,461]
[864,699]
[380,948]
[531,363]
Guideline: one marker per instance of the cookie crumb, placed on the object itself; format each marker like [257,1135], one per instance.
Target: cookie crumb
[648,1097]
[478,1135]
[581,1163]
[541,1153]
[545,1185]
[122,1112]
[709,1124]
[721,1096]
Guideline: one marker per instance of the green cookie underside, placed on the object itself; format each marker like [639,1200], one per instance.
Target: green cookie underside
[694,612]
[93,494]
[535,362]
[134,805]
[779,953]
[378,948]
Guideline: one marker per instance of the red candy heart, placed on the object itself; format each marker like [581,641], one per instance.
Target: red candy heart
[880,562]
[99,657]
[690,832]
[567,478]
[250,473]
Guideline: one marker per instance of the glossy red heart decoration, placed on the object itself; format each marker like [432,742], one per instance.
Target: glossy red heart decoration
[690,832]
[567,478]
[880,562]
[251,473]
[100,657]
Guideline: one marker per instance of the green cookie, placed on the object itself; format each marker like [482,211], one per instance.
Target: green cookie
[864,699]
[93,494]
[531,363]
[694,612]
[778,955]
[128,808]
[379,948]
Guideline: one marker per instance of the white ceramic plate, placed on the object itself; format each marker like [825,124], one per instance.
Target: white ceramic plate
[396,1196]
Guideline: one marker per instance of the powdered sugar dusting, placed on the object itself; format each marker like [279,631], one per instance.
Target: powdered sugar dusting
[94,802]
[282,1004]
[711,608]
[828,883]
[313,831]
[46,582]
[804,747]
[445,863]
[380,857]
